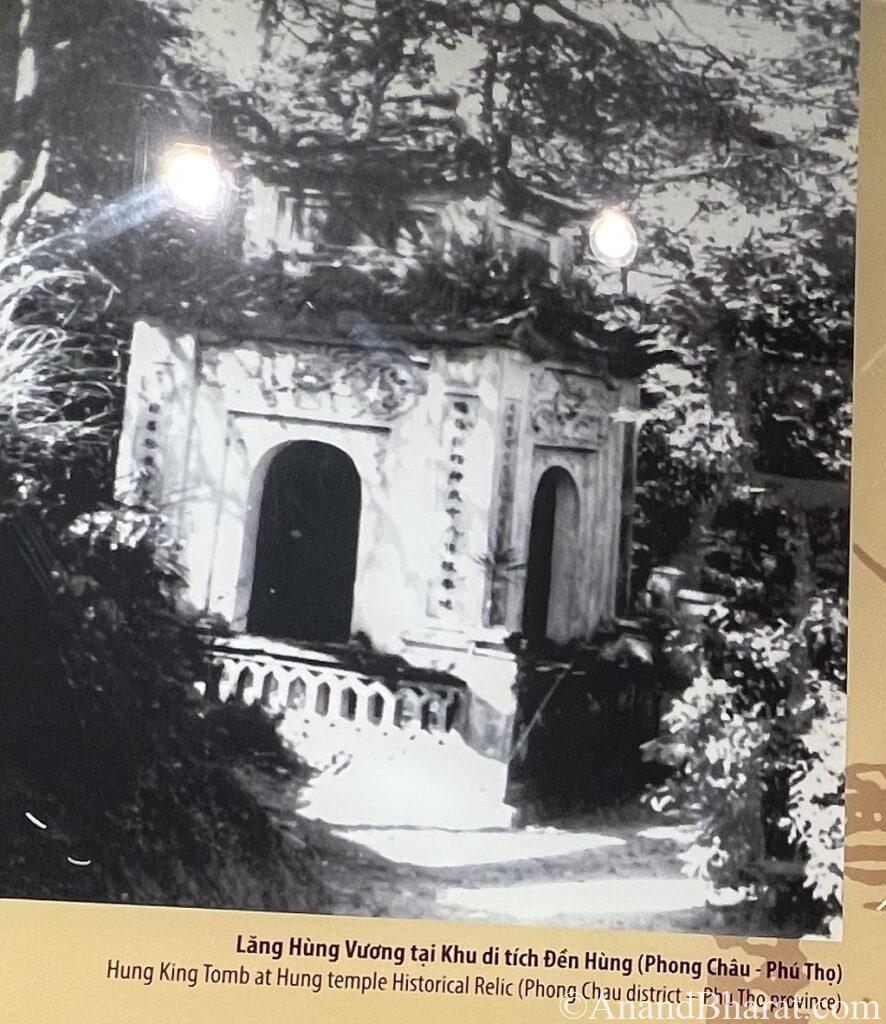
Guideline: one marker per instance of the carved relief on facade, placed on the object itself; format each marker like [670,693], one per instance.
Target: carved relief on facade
[209,366]
[463,371]
[340,381]
[502,558]
[143,487]
[156,387]
[568,410]
[459,419]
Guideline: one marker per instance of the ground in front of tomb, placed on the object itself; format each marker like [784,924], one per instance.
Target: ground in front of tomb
[418,830]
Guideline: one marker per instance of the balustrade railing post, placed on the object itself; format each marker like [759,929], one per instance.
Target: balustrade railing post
[332,694]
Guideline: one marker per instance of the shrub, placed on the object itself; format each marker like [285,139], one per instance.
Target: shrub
[104,742]
[688,455]
[756,745]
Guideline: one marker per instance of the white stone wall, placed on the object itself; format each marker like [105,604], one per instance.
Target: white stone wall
[449,448]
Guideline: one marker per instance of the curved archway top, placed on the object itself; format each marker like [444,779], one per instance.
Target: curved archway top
[559,472]
[266,454]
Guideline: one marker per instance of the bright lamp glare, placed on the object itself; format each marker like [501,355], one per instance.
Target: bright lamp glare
[194,178]
[613,238]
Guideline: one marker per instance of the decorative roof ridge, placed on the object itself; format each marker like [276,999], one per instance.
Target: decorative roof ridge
[516,337]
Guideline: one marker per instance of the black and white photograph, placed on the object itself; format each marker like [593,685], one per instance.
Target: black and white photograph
[424,457]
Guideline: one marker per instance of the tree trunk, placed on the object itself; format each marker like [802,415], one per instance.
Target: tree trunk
[24,161]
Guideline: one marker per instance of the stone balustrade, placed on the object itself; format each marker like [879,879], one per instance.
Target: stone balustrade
[318,688]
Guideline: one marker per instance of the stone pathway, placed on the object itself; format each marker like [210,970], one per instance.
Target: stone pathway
[419,831]
[622,877]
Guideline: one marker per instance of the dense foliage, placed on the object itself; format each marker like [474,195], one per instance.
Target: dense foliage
[104,740]
[731,139]
[752,742]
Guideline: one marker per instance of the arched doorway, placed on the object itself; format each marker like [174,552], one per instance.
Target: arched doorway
[551,563]
[306,548]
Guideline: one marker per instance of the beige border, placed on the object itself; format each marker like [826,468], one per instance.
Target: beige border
[54,955]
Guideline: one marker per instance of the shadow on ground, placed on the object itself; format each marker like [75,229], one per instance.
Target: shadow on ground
[619,868]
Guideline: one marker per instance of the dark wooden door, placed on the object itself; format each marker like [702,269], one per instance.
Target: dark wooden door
[306,550]
[537,596]
[551,562]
